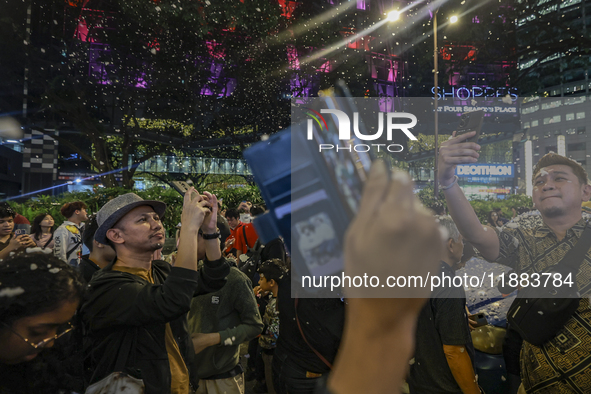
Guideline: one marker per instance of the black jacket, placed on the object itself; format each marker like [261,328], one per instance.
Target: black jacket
[124,307]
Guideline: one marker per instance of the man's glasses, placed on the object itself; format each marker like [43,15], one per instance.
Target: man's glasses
[62,330]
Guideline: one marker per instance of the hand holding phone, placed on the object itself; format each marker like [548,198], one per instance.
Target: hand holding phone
[479,319]
[471,121]
[180,186]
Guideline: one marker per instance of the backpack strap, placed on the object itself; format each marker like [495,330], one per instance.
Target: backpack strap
[73,249]
[320,356]
[575,256]
[248,248]
[48,242]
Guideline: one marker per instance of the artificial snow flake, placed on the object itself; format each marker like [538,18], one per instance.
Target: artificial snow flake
[11,291]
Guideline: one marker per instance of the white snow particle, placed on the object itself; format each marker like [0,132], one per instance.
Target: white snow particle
[11,291]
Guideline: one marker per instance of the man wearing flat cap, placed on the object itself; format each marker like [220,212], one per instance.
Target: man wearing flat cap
[135,314]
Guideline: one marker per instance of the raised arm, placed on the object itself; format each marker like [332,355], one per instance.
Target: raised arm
[194,213]
[453,152]
[392,235]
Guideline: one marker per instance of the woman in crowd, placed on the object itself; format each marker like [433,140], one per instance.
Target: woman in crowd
[39,294]
[42,231]
[493,219]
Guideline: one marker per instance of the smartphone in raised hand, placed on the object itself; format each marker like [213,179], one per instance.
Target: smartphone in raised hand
[471,121]
[180,186]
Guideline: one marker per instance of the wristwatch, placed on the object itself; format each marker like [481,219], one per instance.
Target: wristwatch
[211,236]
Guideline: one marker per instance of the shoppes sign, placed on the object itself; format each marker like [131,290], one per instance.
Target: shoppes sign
[485,170]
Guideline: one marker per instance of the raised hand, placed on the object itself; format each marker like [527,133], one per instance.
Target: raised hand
[456,151]
[209,225]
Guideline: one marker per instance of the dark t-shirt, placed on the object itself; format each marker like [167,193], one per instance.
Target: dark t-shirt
[322,321]
[5,244]
[443,321]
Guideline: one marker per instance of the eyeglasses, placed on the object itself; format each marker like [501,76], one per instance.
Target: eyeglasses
[62,330]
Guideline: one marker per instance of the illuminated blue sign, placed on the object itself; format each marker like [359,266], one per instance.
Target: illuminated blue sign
[485,170]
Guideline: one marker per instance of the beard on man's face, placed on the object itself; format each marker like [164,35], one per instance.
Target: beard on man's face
[552,212]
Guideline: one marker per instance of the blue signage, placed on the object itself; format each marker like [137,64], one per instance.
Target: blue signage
[486,170]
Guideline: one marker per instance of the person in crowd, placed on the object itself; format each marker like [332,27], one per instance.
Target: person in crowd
[223,226]
[501,218]
[444,354]
[142,304]
[493,220]
[9,241]
[39,295]
[298,363]
[560,186]
[219,322]
[244,207]
[379,330]
[100,255]
[42,231]
[246,236]
[233,219]
[68,236]
[271,272]
[22,223]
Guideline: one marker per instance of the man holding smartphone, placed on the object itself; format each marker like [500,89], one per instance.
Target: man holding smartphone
[143,303]
[11,241]
[537,245]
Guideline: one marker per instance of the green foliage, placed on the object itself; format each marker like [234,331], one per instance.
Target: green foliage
[233,196]
[100,196]
[481,206]
[427,197]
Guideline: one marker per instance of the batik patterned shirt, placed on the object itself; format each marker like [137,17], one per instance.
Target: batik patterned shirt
[562,365]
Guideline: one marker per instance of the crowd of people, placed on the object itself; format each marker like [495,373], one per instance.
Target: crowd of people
[124,315]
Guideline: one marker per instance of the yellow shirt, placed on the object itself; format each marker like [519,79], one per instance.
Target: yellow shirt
[179,374]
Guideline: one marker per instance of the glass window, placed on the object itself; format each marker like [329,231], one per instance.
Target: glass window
[552,119]
[534,123]
[580,115]
[577,146]
[531,109]
[570,116]
[552,104]
[526,125]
